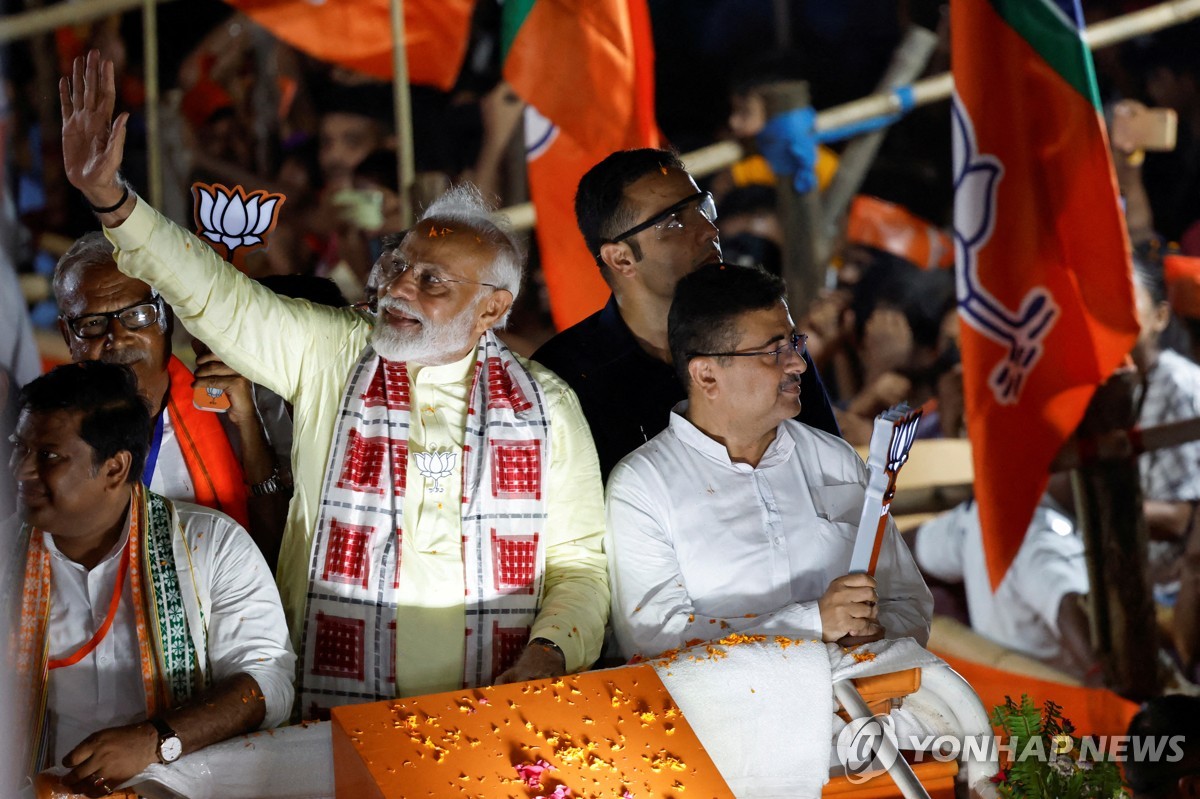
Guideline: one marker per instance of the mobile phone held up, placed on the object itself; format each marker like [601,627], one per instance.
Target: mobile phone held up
[203,397]
[210,399]
[1135,127]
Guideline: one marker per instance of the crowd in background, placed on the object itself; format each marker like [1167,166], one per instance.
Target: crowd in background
[243,108]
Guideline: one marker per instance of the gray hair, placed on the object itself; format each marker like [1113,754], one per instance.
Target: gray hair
[466,205]
[91,249]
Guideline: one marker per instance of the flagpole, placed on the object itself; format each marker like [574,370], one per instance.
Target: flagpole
[406,163]
[59,15]
[154,176]
[722,155]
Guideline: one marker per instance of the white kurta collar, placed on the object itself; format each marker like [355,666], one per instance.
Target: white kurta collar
[778,451]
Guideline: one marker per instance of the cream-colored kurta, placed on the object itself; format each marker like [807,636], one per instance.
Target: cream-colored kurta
[305,353]
[431,597]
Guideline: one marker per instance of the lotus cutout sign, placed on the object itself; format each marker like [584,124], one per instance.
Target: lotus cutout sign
[233,218]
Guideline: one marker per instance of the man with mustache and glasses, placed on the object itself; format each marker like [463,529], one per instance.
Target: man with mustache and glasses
[647,224]
[737,518]
[447,522]
[221,461]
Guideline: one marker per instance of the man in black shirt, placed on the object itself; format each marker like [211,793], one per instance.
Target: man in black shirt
[648,225]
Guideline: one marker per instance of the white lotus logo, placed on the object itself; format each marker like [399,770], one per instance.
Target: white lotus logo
[436,466]
[234,218]
[1021,331]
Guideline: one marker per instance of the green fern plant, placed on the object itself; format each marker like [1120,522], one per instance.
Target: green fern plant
[1043,759]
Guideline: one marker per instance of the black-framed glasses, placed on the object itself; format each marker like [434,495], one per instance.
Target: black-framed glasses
[430,279]
[132,317]
[797,343]
[675,219]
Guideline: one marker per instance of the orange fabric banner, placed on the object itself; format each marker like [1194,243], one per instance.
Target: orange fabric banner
[1042,258]
[217,476]
[596,98]
[1093,711]
[357,34]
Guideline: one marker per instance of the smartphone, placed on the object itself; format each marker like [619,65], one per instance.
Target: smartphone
[1136,127]
[210,399]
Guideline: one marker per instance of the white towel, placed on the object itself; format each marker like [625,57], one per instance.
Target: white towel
[886,656]
[763,713]
[883,657]
[294,762]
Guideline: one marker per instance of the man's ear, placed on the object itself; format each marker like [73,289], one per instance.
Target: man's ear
[65,330]
[703,376]
[492,310]
[1189,786]
[619,257]
[116,469]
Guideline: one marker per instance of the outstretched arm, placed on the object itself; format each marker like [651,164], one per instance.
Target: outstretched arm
[271,340]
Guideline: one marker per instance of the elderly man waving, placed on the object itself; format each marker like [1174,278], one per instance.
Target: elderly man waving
[447,521]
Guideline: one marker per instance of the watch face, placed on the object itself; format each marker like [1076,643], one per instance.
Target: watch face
[170,749]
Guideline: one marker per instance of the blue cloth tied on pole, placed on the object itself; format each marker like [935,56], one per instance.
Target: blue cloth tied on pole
[789,140]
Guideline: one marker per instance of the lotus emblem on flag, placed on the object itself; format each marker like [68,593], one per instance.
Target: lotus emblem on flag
[435,466]
[214,392]
[976,177]
[234,218]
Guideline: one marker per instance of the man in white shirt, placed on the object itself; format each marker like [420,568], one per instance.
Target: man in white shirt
[149,629]
[737,518]
[1038,607]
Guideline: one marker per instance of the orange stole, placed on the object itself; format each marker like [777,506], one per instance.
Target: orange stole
[217,476]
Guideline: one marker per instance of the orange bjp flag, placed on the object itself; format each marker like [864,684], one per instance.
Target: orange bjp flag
[357,34]
[1045,291]
[586,69]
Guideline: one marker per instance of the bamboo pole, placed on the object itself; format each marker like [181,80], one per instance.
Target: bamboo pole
[908,62]
[1108,513]
[43,20]
[154,174]
[799,214]
[406,163]
[716,157]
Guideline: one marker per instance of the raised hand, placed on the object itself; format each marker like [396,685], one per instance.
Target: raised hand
[93,142]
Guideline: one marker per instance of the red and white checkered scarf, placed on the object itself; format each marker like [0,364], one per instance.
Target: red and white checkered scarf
[349,638]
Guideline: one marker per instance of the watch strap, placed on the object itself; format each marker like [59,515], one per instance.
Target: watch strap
[548,644]
[164,729]
[272,485]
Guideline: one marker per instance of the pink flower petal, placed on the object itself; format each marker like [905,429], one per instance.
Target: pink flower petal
[532,772]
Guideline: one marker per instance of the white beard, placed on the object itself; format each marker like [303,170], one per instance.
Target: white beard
[431,345]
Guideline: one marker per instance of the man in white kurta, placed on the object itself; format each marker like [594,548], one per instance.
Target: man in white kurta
[447,283]
[142,622]
[737,518]
[1026,612]
[245,630]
